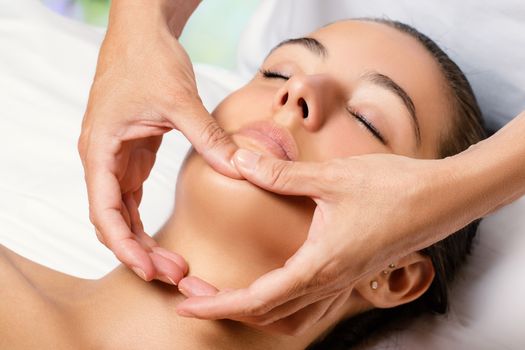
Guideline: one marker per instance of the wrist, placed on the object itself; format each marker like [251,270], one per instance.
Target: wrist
[177,13]
[494,170]
[485,177]
[150,14]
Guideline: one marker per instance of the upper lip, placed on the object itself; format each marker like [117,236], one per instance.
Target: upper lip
[269,133]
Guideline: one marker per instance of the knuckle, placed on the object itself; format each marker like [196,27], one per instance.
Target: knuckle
[100,237]
[259,308]
[213,134]
[335,177]
[278,175]
[261,320]
[93,217]
[81,146]
[332,174]
[322,280]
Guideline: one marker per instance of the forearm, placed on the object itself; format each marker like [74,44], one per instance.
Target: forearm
[151,14]
[494,169]
[473,184]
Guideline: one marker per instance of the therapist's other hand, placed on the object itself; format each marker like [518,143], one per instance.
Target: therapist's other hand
[362,205]
[144,86]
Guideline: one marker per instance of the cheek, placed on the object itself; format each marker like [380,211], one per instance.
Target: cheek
[244,106]
[339,138]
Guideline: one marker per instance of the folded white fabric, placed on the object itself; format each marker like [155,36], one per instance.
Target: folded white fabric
[485,37]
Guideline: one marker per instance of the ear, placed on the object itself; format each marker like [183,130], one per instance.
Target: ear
[406,281]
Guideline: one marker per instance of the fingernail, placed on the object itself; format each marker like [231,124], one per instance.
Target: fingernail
[184,313]
[139,272]
[167,279]
[247,159]
[182,290]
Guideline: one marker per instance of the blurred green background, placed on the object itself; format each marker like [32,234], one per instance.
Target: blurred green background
[211,35]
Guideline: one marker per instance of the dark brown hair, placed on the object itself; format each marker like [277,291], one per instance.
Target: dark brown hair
[465,128]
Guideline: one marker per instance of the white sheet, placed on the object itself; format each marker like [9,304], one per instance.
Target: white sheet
[46,66]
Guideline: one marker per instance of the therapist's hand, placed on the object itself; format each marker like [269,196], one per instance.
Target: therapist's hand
[369,209]
[144,87]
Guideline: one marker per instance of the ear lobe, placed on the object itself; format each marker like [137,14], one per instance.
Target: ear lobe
[410,279]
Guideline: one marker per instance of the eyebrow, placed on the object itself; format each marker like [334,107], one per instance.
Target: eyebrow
[313,45]
[387,83]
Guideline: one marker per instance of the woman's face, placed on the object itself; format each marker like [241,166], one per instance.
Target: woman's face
[351,88]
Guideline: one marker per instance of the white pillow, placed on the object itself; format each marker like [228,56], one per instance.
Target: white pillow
[486,38]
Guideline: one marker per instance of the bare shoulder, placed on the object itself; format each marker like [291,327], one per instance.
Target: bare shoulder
[27,319]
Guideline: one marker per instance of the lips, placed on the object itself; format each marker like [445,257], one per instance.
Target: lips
[274,139]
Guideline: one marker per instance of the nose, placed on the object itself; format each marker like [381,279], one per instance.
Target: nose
[306,99]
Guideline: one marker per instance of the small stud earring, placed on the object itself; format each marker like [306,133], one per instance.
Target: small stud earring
[390,266]
[374,284]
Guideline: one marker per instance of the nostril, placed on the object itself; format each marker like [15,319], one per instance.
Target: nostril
[304,106]
[284,99]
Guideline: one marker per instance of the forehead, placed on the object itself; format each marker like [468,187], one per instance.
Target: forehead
[356,47]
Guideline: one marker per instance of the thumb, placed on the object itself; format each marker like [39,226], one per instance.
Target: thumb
[280,176]
[210,140]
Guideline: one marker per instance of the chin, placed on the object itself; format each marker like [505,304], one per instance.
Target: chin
[268,225]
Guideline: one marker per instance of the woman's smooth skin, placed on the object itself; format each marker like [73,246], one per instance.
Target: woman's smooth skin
[231,231]
[126,117]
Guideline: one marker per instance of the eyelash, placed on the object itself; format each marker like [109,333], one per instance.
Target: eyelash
[371,127]
[269,74]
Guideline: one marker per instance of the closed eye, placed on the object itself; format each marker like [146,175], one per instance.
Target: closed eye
[270,74]
[369,125]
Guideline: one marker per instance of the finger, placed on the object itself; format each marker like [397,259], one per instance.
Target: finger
[167,270]
[267,292]
[279,176]
[144,239]
[137,195]
[335,307]
[193,286]
[135,223]
[292,307]
[176,258]
[100,238]
[211,141]
[302,320]
[105,213]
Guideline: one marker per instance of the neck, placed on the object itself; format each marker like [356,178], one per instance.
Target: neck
[228,239]
[121,311]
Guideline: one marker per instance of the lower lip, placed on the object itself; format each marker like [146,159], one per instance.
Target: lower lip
[265,142]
